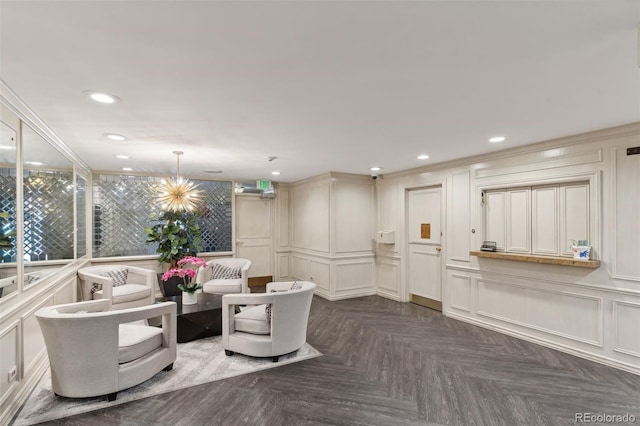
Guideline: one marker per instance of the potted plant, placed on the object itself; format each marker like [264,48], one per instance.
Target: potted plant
[187,275]
[6,242]
[178,235]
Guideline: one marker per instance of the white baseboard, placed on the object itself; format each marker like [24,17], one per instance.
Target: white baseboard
[344,296]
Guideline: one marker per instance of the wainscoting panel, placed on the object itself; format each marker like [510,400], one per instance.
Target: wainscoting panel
[626,328]
[33,342]
[319,273]
[283,267]
[355,277]
[66,293]
[572,316]
[299,267]
[388,278]
[460,292]
[9,358]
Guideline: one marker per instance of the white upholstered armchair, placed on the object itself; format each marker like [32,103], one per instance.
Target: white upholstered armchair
[219,276]
[92,352]
[252,332]
[138,289]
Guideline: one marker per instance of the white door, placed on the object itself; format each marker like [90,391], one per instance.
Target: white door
[425,234]
[253,233]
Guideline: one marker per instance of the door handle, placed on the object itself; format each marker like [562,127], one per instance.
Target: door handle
[438,249]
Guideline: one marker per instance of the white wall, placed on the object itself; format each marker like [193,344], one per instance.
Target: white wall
[331,235]
[591,313]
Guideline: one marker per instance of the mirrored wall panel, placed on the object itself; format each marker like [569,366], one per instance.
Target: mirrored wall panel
[81,216]
[48,207]
[8,145]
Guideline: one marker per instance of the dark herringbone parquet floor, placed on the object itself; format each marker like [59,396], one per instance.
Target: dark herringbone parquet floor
[389,363]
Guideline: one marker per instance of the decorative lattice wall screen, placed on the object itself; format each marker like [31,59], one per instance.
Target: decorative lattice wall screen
[122,206]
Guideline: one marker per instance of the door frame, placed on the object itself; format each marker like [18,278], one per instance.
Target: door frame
[404,249]
[258,280]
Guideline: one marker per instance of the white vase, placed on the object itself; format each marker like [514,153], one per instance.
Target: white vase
[189,298]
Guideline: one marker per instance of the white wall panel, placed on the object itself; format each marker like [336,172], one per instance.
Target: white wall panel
[518,237]
[460,217]
[66,293]
[460,286]
[8,357]
[573,316]
[320,274]
[388,276]
[354,276]
[574,216]
[627,216]
[545,220]
[353,217]
[626,320]
[33,346]
[300,217]
[299,268]
[495,218]
[282,202]
[318,212]
[283,267]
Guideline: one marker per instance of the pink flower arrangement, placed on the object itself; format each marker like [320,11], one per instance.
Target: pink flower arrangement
[187,274]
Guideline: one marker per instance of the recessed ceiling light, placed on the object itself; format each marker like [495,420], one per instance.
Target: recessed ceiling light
[7,147]
[423,157]
[376,169]
[34,163]
[496,139]
[275,173]
[127,169]
[114,136]
[122,157]
[101,97]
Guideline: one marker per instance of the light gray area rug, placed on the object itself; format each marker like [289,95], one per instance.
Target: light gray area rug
[200,361]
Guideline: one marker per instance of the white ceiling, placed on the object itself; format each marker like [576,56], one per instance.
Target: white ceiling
[324,86]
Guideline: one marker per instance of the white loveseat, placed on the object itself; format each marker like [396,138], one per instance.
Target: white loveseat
[251,333]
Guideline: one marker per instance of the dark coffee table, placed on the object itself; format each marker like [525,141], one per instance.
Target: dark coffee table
[203,319]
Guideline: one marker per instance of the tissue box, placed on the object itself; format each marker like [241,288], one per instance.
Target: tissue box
[581,252]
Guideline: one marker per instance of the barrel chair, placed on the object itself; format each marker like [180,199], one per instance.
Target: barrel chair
[125,286]
[225,275]
[94,351]
[276,326]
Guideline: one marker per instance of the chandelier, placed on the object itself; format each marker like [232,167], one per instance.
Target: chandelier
[177,194]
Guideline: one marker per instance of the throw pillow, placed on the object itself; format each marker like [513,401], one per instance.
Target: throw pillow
[296,286]
[119,277]
[267,310]
[221,272]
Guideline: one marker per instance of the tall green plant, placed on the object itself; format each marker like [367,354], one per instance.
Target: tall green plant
[6,242]
[177,235]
